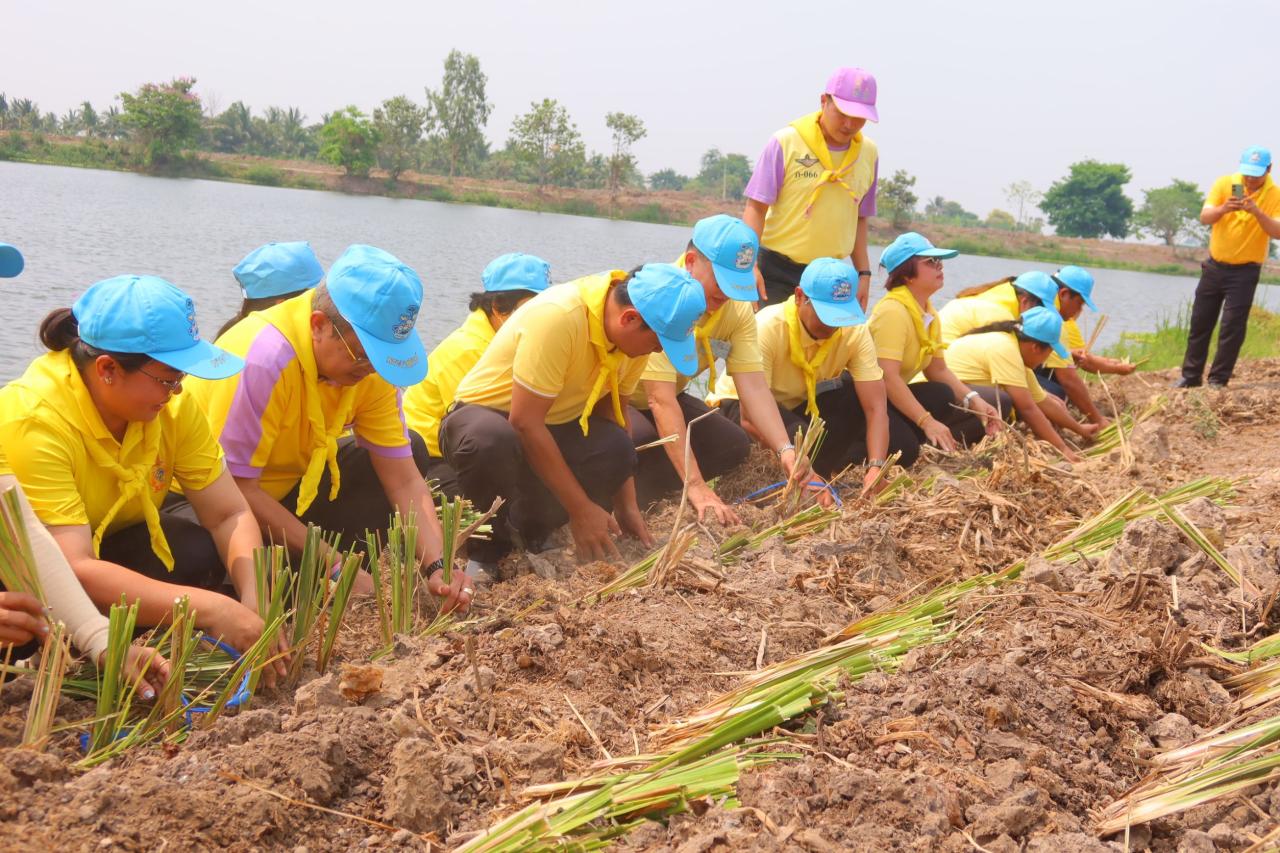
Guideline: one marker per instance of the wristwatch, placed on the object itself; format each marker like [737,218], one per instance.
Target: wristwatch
[435,566]
[876,463]
[861,273]
[968,398]
[784,448]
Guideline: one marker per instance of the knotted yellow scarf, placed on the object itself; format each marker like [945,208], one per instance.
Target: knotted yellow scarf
[293,319]
[809,367]
[594,291]
[811,133]
[930,339]
[60,371]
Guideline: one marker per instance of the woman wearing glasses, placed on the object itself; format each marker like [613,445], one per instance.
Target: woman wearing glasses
[97,429]
[329,361]
[908,335]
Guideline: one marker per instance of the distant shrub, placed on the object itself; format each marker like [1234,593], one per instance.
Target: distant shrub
[268,176]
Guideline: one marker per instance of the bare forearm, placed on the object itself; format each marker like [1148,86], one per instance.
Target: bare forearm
[236,537]
[753,214]
[277,524]
[1039,423]
[106,583]
[900,396]
[1077,392]
[759,407]
[415,499]
[669,420]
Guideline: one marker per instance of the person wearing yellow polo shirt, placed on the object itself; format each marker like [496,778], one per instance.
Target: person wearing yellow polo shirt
[509,281]
[97,429]
[1244,210]
[271,274]
[719,257]
[908,337]
[331,359]
[1004,301]
[996,360]
[1061,376]
[541,418]
[814,188]
[819,359]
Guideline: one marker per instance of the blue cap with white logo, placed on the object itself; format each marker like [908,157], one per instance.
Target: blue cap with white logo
[148,315]
[1078,279]
[830,284]
[731,246]
[1039,285]
[671,301]
[380,297]
[908,246]
[516,271]
[11,262]
[278,268]
[1045,326]
[1255,161]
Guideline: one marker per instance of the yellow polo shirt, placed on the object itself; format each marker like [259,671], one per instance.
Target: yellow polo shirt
[895,337]
[546,347]
[853,351]
[426,403]
[960,316]
[992,358]
[276,413]
[53,439]
[1073,339]
[732,326]
[1237,238]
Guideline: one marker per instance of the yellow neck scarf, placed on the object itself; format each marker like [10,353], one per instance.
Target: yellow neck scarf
[293,319]
[60,370]
[809,367]
[594,291]
[930,339]
[702,335]
[811,133]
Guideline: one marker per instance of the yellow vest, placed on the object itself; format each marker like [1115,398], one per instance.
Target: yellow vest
[830,227]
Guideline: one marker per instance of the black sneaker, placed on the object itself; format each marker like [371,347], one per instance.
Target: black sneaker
[1184,382]
[1216,383]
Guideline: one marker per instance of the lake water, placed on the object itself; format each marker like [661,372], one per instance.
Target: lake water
[77,226]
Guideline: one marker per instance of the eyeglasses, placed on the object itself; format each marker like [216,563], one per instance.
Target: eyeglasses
[936,263]
[173,386]
[357,360]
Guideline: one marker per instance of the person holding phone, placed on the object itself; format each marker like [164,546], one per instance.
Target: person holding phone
[1244,212]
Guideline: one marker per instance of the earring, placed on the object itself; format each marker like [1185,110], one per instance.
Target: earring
[106,379]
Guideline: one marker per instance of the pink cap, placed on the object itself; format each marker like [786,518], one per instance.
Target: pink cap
[854,92]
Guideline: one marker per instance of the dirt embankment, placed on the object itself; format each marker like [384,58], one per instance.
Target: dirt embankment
[1046,705]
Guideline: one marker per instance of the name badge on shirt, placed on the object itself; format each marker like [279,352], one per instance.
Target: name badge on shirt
[720,349]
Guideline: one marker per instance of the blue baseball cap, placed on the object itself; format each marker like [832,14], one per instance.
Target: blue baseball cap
[516,271]
[148,315]
[1255,161]
[11,262]
[731,246]
[278,268]
[671,301]
[1044,325]
[1039,285]
[910,245]
[1078,279]
[830,285]
[380,297]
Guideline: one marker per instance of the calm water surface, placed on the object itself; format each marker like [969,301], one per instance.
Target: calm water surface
[77,226]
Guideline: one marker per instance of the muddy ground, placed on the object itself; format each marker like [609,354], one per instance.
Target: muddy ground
[1008,737]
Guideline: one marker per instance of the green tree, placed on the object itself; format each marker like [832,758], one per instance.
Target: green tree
[667,179]
[627,130]
[1090,201]
[398,123]
[348,139]
[70,124]
[897,199]
[725,175]
[89,120]
[1024,198]
[547,143]
[1170,212]
[1002,220]
[231,132]
[458,113]
[940,209]
[163,118]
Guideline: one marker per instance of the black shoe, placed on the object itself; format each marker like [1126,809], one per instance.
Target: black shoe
[1184,382]
[1215,383]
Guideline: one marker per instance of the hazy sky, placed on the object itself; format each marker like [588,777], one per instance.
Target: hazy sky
[972,95]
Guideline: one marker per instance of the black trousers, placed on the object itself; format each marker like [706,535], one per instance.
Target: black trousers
[937,399]
[781,275]
[488,457]
[719,446]
[195,557]
[1049,382]
[1225,289]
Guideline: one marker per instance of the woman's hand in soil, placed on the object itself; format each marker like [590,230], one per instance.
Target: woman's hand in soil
[1087,430]
[704,499]
[240,627]
[21,618]
[457,593]
[147,668]
[939,434]
[987,414]
[593,530]
[631,522]
[870,488]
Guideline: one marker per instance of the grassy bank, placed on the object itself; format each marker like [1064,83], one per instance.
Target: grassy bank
[1164,347]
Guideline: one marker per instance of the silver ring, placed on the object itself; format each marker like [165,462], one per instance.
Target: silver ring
[468,590]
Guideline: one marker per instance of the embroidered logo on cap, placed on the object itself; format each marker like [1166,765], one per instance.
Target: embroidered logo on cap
[842,291]
[402,362]
[192,328]
[405,326]
[1255,157]
[746,257]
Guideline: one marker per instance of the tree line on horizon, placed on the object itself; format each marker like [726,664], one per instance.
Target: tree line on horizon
[444,134]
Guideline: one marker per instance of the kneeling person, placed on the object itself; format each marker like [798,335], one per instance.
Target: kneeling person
[819,358]
[540,420]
